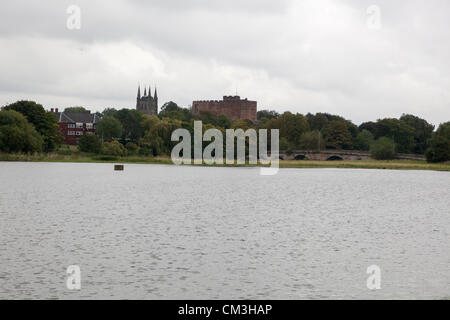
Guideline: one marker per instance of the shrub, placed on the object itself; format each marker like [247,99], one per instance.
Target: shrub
[145,150]
[383,149]
[114,148]
[106,158]
[439,151]
[364,140]
[64,152]
[89,143]
[132,147]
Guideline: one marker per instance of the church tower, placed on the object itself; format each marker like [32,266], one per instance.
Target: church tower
[147,104]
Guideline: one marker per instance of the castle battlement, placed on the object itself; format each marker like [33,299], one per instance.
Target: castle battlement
[232,107]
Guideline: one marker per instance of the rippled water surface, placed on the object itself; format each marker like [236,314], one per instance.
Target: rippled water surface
[154,232]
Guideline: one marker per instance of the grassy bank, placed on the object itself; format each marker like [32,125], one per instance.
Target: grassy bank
[83,158]
[368,164]
[357,164]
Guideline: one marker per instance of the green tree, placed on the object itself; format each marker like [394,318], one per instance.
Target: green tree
[401,133]
[223,121]
[109,128]
[158,137]
[439,151]
[77,109]
[17,134]
[108,112]
[89,143]
[383,149]
[207,117]
[243,124]
[131,123]
[311,140]
[172,110]
[114,148]
[317,121]
[148,122]
[132,147]
[369,126]
[363,140]
[320,120]
[422,131]
[337,135]
[291,127]
[267,114]
[444,130]
[44,122]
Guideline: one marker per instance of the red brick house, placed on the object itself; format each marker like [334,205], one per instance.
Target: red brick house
[74,125]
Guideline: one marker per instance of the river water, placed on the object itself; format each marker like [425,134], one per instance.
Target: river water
[167,232]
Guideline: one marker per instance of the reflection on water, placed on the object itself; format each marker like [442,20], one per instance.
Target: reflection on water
[155,232]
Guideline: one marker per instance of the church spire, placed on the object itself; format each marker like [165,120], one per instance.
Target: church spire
[139,92]
[156,94]
[149,92]
[145,91]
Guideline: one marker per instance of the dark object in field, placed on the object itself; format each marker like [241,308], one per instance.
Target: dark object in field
[118,167]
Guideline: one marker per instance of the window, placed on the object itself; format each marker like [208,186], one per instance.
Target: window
[71,125]
[89,126]
[79,125]
[79,133]
[70,133]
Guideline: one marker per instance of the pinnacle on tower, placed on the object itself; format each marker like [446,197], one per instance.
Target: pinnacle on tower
[156,94]
[139,92]
[145,91]
[149,92]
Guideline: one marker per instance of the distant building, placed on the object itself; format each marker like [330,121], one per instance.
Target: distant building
[147,104]
[232,107]
[74,125]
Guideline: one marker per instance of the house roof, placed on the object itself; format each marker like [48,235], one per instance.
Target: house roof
[82,117]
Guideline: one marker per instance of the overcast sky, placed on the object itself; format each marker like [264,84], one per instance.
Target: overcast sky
[303,56]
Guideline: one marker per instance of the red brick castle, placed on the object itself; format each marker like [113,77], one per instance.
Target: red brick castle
[233,107]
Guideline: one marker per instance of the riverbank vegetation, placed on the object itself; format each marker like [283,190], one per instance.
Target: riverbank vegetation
[81,157]
[25,127]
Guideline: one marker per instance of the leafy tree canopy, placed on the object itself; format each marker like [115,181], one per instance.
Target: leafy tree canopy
[444,130]
[44,122]
[131,123]
[267,114]
[17,134]
[400,132]
[76,109]
[337,135]
[439,151]
[109,128]
[364,140]
[422,131]
[383,149]
[89,143]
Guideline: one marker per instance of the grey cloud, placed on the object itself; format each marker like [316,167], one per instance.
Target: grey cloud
[305,56]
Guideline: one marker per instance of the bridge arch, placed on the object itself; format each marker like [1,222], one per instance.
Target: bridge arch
[300,157]
[335,158]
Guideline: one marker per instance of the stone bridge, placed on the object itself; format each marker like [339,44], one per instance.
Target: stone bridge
[323,155]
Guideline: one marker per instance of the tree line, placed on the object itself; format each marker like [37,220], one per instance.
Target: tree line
[26,127]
